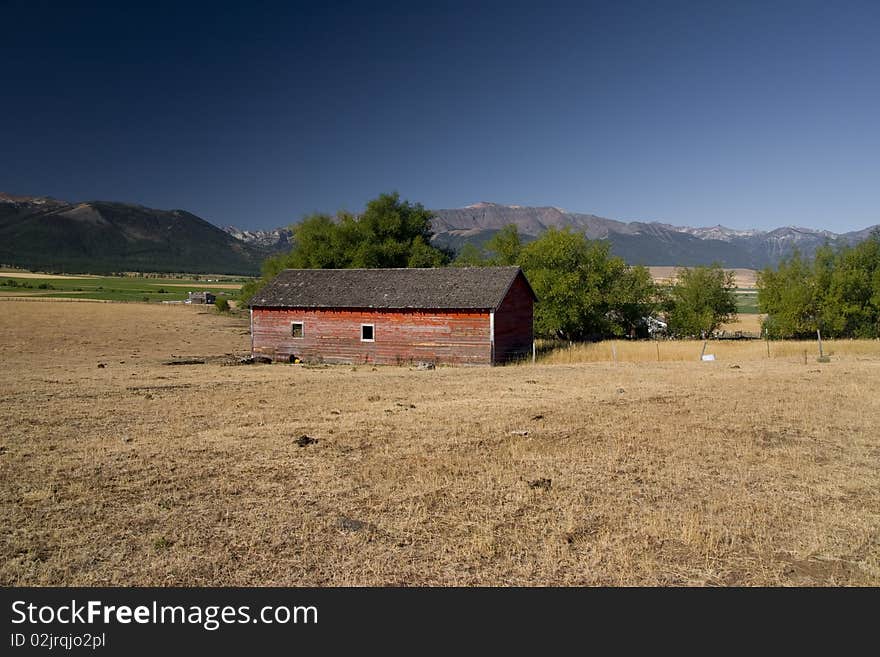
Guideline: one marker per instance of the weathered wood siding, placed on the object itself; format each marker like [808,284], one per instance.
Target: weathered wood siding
[334,336]
[513,323]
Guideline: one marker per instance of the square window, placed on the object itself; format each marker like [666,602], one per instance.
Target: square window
[368,332]
[296,329]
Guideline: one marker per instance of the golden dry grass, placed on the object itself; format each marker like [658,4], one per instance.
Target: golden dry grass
[747,323]
[728,351]
[743,278]
[648,473]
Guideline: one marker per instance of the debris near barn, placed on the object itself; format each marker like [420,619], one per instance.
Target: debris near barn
[656,327]
[200,298]
[305,441]
[735,335]
[248,360]
[185,361]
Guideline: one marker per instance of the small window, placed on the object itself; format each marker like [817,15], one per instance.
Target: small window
[296,329]
[368,333]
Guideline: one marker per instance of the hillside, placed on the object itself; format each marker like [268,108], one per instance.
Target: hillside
[102,237]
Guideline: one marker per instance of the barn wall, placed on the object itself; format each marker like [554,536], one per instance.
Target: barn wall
[333,336]
[513,323]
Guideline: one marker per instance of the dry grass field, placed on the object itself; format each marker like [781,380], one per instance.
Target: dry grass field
[729,351]
[747,323]
[743,278]
[744,471]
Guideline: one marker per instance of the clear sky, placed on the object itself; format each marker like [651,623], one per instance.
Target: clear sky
[747,114]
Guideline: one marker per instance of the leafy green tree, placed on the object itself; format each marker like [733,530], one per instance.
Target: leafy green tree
[838,294]
[390,233]
[848,307]
[583,292]
[633,297]
[505,246]
[789,296]
[249,289]
[320,242]
[470,255]
[701,299]
[875,300]
[422,254]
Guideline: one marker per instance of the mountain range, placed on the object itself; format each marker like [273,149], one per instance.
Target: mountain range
[100,236]
[640,243]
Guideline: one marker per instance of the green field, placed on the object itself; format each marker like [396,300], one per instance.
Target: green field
[115,288]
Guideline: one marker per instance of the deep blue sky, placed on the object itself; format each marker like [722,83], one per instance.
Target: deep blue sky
[746,114]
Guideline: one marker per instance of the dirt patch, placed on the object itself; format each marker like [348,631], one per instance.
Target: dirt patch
[822,572]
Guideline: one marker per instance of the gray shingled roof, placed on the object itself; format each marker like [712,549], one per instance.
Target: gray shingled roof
[446,288]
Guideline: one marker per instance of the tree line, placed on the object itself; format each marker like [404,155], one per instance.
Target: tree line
[584,292]
[838,293]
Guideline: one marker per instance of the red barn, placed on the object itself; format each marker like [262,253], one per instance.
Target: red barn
[471,315]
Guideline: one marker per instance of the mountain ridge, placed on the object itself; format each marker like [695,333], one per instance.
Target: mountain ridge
[639,242]
[103,236]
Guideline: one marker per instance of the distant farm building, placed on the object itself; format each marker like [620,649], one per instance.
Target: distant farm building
[200,298]
[475,316]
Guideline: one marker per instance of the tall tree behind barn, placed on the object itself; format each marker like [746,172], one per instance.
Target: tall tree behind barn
[475,316]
